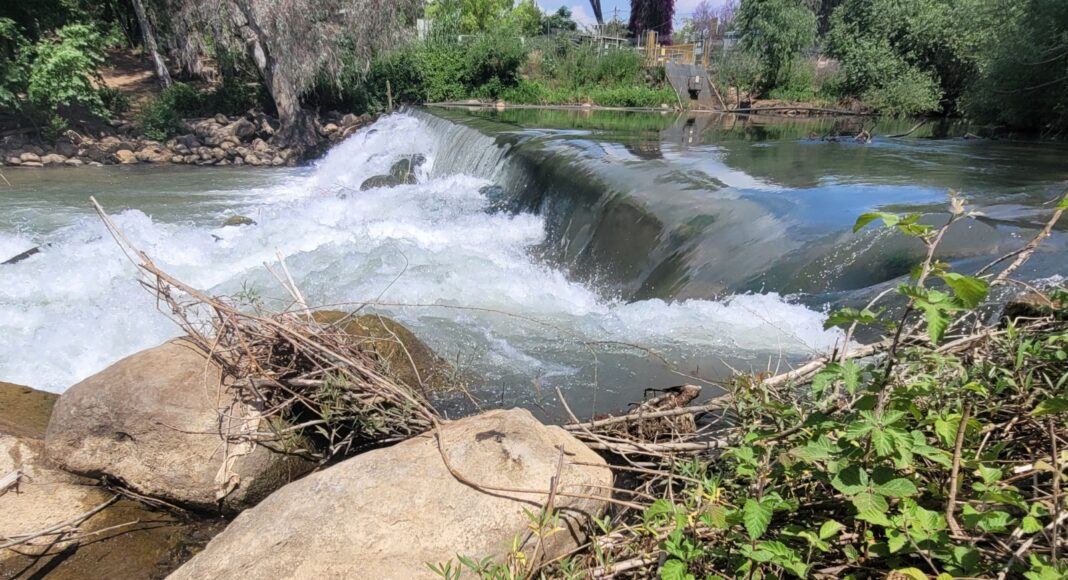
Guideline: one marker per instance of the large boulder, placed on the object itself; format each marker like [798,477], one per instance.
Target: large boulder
[391,511]
[125,540]
[163,423]
[406,358]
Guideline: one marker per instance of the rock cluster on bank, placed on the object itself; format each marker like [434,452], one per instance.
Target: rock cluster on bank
[163,424]
[221,140]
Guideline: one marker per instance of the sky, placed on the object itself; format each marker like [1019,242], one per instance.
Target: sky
[583,14]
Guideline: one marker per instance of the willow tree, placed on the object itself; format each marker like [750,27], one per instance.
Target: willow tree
[294,43]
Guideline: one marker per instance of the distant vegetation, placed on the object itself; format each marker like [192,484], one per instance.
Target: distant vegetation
[1001,62]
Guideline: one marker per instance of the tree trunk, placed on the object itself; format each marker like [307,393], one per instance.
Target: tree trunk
[596,4]
[297,129]
[150,43]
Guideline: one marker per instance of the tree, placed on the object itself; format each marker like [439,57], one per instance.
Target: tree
[776,31]
[294,43]
[472,16]
[527,17]
[909,54]
[560,21]
[656,15]
[1023,76]
[149,39]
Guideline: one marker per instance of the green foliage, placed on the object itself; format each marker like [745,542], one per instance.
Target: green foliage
[856,478]
[115,101]
[12,71]
[1023,70]
[909,57]
[776,31]
[162,117]
[64,70]
[468,16]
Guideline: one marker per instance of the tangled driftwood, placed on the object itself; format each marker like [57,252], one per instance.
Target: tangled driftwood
[321,393]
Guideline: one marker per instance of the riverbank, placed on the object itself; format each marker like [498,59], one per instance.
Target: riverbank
[218,141]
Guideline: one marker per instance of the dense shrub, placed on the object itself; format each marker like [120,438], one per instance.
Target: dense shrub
[776,31]
[913,56]
[64,70]
[1023,76]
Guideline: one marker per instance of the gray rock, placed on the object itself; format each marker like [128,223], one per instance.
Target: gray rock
[30,156]
[74,162]
[393,510]
[222,119]
[188,141]
[32,164]
[53,159]
[13,161]
[155,421]
[66,149]
[241,128]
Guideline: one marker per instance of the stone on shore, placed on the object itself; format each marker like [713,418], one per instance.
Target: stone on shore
[391,511]
[126,541]
[124,156]
[156,421]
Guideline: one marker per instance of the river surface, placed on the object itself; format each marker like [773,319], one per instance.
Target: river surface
[601,253]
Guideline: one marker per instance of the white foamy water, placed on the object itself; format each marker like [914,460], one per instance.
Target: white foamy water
[435,257]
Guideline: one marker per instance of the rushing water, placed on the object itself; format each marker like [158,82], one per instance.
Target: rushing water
[536,250]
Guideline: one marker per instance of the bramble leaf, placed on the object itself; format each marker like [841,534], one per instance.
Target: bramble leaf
[971,291]
[675,570]
[756,516]
[1050,407]
[889,219]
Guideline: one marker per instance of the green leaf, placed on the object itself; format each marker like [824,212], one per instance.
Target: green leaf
[872,508]
[756,516]
[1050,407]
[971,291]
[937,321]
[675,570]
[829,529]
[851,480]
[899,487]
[882,442]
[847,316]
[817,450]
[1063,205]
[911,573]
[661,510]
[888,218]
[896,540]
[1031,525]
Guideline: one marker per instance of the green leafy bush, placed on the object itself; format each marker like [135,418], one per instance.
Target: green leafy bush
[162,117]
[115,101]
[64,70]
[777,31]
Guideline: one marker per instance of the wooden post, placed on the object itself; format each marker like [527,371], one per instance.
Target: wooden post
[650,46]
[389,95]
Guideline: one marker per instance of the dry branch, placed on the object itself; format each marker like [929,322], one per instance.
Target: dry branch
[291,369]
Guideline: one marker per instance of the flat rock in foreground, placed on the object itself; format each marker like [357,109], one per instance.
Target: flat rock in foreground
[126,540]
[162,422]
[389,512]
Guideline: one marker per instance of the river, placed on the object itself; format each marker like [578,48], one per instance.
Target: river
[602,253]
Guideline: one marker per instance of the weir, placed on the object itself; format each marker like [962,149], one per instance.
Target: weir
[527,249]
